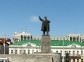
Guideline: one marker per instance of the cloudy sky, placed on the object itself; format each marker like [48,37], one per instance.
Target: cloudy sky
[66,16]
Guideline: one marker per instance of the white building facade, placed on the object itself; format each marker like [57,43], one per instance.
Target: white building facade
[21,36]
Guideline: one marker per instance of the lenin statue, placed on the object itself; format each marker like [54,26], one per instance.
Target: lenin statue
[45,25]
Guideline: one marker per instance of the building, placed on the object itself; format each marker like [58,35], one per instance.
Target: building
[70,37]
[75,49]
[21,36]
[4,45]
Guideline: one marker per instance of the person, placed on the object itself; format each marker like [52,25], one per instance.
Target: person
[45,25]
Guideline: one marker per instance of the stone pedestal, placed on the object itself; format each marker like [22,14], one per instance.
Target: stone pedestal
[45,44]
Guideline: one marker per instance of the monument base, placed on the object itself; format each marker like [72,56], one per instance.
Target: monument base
[45,44]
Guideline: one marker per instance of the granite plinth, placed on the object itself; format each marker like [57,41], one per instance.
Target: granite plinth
[45,44]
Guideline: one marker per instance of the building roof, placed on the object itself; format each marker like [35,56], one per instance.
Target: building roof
[53,42]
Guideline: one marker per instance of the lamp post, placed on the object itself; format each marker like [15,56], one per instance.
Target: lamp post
[63,51]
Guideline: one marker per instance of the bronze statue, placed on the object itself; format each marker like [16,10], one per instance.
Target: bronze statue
[45,25]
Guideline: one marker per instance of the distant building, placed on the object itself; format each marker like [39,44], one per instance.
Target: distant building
[26,36]
[70,37]
[4,49]
[75,37]
[4,45]
[21,36]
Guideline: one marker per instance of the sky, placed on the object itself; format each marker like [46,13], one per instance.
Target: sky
[66,16]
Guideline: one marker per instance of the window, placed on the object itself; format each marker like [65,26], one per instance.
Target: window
[24,37]
[27,38]
[74,39]
[73,52]
[20,51]
[11,51]
[28,51]
[15,51]
[65,51]
[69,52]
[60,51]
[81,52]
[56,51]
[77,52]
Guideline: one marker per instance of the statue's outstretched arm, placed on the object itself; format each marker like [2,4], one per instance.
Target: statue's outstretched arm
[40,18]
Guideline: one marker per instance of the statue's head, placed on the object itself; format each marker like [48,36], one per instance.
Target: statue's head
[45,18]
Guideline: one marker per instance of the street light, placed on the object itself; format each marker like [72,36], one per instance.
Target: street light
[63,50]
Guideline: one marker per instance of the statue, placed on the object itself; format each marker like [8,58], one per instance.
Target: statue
[45,25]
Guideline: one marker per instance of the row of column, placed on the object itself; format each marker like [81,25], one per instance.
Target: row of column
[74,38]
[76,60]
[26,37]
